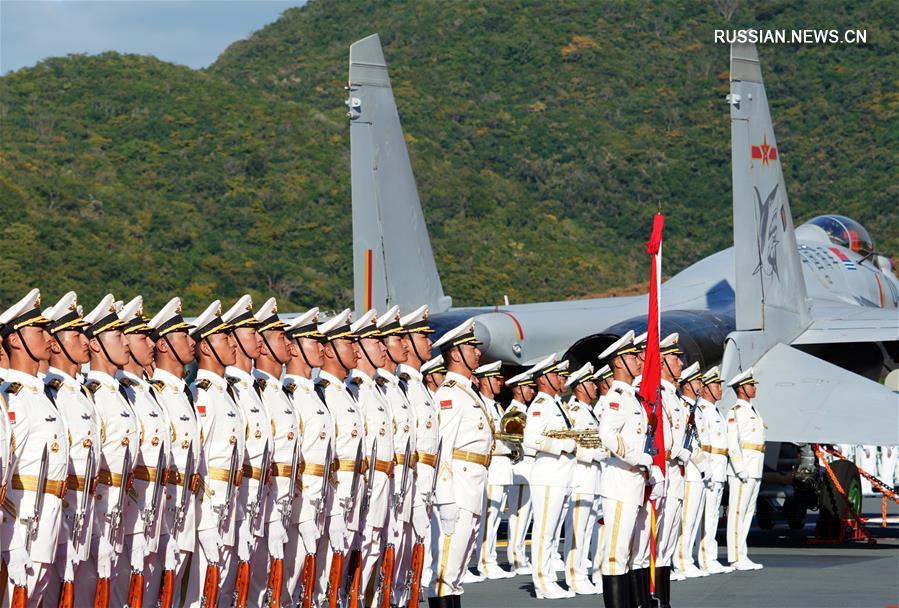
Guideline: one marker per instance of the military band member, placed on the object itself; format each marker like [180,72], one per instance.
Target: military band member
[142,529]
[602,379]
[746,450]
[36,428]
[583,511]
[434,372]
[120,432]
[343,510]
[499,477]
[250,547]
[280,504]
[710,426]
[519,503]
[417,332]
[222,431]
[552,473]
[173,352]
[317,433]
[622,430]
[695,480]
[467,435]
[379,434]
[68,352]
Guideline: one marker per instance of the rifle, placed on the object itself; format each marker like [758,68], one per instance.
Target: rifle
[136,585]
[388,561]
[214,569]
[307,581]
[67,593]
[691,432]
[355,580]
[652,424]
[242,579]
[418,550]
[167,591]
[20,594]
[101,595]
[276,571]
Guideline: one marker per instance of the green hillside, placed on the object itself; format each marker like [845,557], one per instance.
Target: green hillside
[543,136]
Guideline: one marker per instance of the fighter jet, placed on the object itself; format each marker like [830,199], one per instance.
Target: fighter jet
[813,309]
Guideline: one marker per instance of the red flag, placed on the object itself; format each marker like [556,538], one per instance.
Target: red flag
[650,384]
[652,367]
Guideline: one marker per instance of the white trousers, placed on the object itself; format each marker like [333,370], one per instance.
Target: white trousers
[36,584]
[580,522]
[485,548]
[597,532]
[520,516]
[668,529]
[548,503]
[740,509]
[694,500]
[86,585]
[402,572]
[452,554]
[618,532]
[642,533]
[711,511]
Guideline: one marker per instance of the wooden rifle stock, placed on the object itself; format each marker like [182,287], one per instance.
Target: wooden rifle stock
[308,580]
[136,590]
[19,597]
[387,566]
[167,591]
[418,564]
[211,586]
[275,583]
[67,595]
[355,570]
[101,595]
[242,585]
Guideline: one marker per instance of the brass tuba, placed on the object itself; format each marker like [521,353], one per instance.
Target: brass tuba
[512,430]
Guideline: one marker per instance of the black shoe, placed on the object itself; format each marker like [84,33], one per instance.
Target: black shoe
[441,601]
[615,591]
[663,586]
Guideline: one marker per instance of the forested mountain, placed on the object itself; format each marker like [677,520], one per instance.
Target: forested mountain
[543,136]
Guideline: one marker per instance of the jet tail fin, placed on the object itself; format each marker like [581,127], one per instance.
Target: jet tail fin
[392,258]
[770,290]
[770,298]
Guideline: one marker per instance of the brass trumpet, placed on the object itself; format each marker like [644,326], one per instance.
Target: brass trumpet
[586,438]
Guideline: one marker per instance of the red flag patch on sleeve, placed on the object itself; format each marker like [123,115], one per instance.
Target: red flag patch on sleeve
[446,404]
[731,419]
[12,417]
[613,405]
[201,409]
[535,414]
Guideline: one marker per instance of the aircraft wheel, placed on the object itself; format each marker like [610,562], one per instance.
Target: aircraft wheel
[831,501]
[795,512]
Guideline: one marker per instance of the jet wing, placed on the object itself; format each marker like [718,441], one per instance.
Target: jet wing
[835,322]
[806,400]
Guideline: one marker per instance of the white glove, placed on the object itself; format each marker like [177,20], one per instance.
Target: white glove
[681,455]
[138,551]
[171,553]
[742,476]
[568,446]
[211,543]
[277,538]
[644,460]
[105,555]
[244,540]
[657,492]
[69,570]
[337,533]
[449,514]
[421,521]
[703,469]
[309,535]
[18,564]
[656,477]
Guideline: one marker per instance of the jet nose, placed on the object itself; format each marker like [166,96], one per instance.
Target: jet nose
[501,336]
